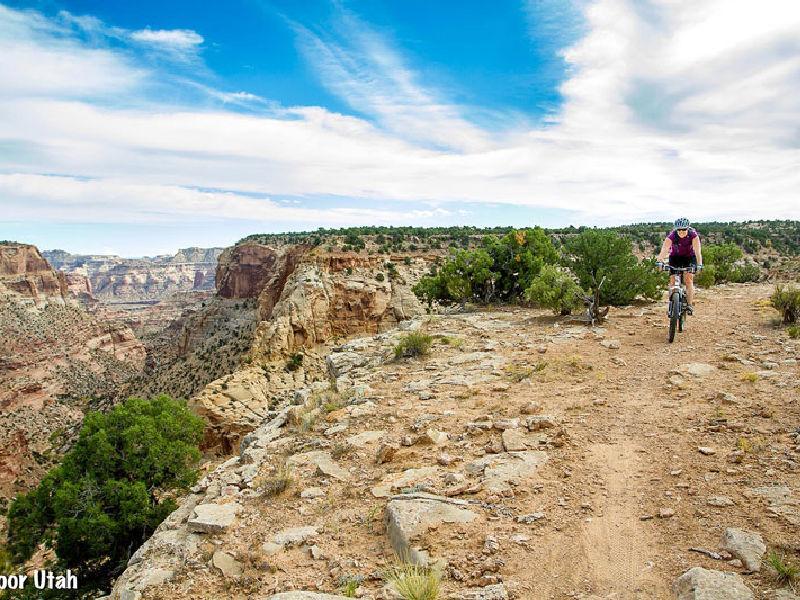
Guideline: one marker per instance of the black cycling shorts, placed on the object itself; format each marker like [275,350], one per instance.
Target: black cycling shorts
[681,262]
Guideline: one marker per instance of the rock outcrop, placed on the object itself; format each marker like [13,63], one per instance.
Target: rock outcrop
[54,358]
[257,271]
[117,279]
[25,271]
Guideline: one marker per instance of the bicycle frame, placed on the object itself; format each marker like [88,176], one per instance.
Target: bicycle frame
[677,285]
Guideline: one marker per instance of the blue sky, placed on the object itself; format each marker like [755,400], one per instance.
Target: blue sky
[138,128]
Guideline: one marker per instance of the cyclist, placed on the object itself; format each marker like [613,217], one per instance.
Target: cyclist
[683,247]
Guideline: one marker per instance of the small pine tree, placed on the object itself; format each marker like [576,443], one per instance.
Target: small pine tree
[111,490]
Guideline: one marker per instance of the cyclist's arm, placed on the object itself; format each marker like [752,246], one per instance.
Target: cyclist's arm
[665,249]
[697,250]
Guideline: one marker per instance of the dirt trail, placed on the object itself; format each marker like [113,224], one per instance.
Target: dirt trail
[620,551]
[624,492]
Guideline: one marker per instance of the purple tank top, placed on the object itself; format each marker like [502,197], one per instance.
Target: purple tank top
[682,246]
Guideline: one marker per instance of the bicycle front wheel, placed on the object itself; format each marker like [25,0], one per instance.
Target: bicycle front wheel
[674,314]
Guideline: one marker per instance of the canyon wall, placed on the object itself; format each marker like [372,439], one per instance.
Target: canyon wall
[25,271]
[56,361]
[116,279]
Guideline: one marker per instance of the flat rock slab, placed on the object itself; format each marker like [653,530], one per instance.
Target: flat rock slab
[213,518]
[294,535]
[705,584]
[781,501]
[366,437]
[408,518]
[302,596]
[490,592]
[397,481]
[696,369]
[747,546]
[501,469]
[323,461]
[229,566]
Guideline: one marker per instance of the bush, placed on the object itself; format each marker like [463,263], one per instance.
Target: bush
[413,582]
[465,276]
[746,272]
[555,290]
[380,277]
[501,270]
[517,258]
[112,489]
[413,345]
[294,362]
[793,331]
[706,277]
[723,258]
[787,302]
[595,254]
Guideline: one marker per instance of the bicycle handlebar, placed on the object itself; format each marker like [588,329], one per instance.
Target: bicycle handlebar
[666,267]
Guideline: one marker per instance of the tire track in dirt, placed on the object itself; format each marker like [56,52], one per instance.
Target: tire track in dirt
[617,547]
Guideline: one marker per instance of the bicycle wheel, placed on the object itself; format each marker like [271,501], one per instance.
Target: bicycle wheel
[681,322]
[674,314]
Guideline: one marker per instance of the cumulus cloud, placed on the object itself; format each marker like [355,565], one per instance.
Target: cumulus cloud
[669,107]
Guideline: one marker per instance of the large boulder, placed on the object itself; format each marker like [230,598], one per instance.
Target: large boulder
[705,584]
[747,546]
[410,517]
[213,518]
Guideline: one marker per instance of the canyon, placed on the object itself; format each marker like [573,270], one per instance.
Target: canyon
[56,362]
[116,279]
[599,454]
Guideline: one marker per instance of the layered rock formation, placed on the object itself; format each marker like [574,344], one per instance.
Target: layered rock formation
[25,271]
[55,361]
[116,279]
[307,299]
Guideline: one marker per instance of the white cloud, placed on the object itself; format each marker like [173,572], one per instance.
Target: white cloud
[182,45]
[654,123]
[176,38]
[111,201]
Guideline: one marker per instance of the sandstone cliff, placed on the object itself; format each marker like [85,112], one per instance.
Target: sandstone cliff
[56,360]
[116,279]
[25,271]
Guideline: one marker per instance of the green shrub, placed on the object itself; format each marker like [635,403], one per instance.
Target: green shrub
[706,277]
[413,345]
[413,582]
[786,300]
[380,277]
[723,258]
[594,254]
[556,290]
[112,489]
[465,276]
[726,263]
[501,270]
[786,573]
[294,362]
[746,272]
[793,331]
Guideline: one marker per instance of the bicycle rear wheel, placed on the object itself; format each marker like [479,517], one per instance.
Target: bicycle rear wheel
[674,314]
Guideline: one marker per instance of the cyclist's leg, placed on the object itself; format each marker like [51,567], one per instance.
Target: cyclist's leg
[689,279]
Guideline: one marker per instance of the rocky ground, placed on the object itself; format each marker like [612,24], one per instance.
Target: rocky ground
[528,457]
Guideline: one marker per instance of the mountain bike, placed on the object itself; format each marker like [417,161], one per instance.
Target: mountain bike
[677,304]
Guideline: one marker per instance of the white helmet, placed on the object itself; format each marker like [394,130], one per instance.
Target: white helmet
[682,223]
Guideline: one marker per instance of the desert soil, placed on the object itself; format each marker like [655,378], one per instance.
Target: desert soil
[624,494]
